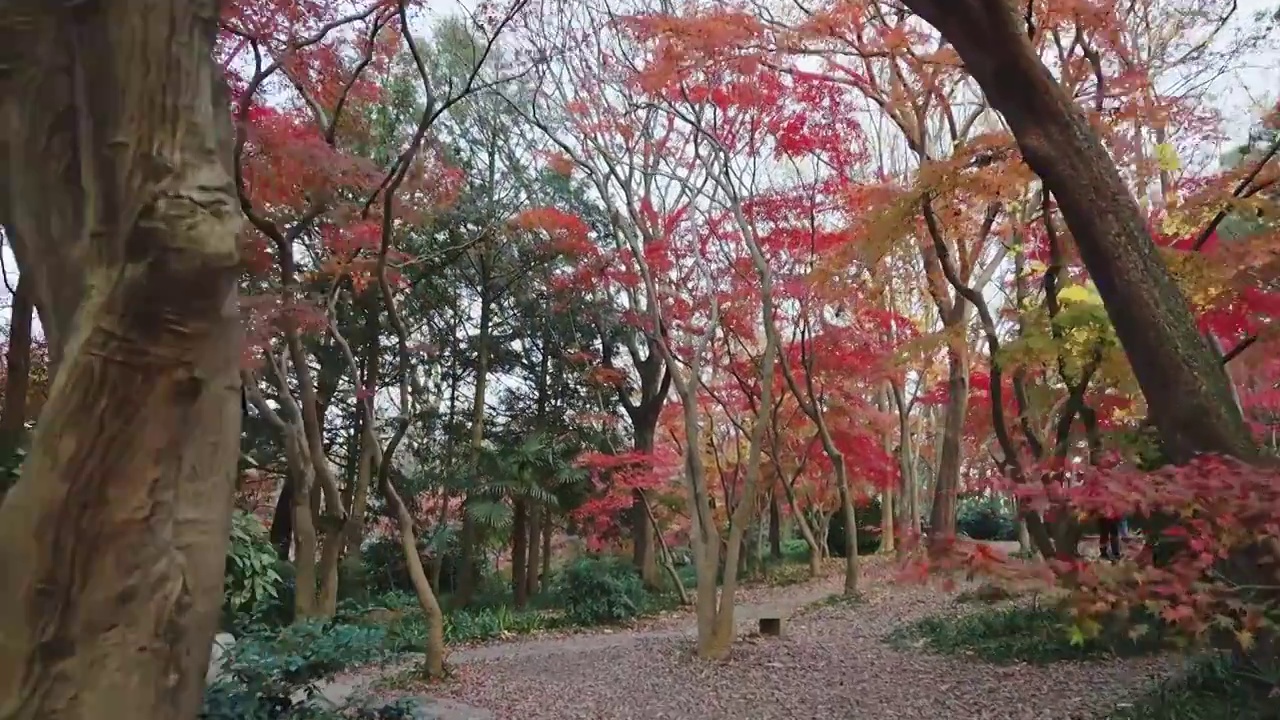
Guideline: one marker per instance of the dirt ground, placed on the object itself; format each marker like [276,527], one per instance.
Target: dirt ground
[831,662]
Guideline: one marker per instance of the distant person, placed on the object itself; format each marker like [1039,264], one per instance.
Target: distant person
[1109,538]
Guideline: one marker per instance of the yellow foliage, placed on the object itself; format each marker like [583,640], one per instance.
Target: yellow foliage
[1167,157]
[1080,294]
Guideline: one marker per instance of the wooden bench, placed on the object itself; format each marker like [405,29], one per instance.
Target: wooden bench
[771,626]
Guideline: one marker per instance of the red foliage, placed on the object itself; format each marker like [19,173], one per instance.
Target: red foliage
[1221,508]
[614,478]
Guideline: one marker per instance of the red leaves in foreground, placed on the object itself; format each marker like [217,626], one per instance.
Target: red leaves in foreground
[1223,566]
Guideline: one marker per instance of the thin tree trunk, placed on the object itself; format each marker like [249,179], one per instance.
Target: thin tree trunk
[467,574]
[775,526]
[850,533]
[17,381]
[815,539]
[642,528]
[667,561]
[433,662]
[548,527]
[112,543]
[519,552]
[530,578]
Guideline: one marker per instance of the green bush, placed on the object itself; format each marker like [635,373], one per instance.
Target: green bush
[409,633]
[385,569]
[795,550]
[596,590]
[252,580]
[264,671]
[868,518]
[986,519]
[1211,690]
[1038,635]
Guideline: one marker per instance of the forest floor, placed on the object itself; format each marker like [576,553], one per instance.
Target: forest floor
[831,662]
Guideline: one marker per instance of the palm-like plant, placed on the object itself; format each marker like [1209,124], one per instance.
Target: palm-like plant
[536,468]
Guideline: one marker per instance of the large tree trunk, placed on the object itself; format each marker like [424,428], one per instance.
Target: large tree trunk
[942,518]
[1188,393]
[644,543]
[112,543]
[281,533]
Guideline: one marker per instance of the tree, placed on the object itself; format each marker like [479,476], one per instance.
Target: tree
[119,191]
[1187,390]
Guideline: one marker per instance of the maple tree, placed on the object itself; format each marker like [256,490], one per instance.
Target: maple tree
[307,180]
[919,253]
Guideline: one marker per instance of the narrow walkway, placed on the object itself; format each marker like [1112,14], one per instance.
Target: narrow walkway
[753,604]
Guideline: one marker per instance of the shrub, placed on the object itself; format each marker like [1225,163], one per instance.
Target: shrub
[795,550]
[1039,635]
[252,579]
[986,519]
[868,518]
[1203,573]
[1212,688]
[598,590]
[385,570]
[264,671]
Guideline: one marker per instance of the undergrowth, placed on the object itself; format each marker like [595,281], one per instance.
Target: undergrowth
[1008,635]
[1211,690]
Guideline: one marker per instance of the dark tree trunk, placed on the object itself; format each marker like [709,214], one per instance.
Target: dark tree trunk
[644,550]
[775,526]
[547,528]
[519,551]
[655,383]
[1187,390]
[530,578]
[17,381]
[281,533]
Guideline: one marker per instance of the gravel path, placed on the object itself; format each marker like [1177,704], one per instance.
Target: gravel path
[831,662]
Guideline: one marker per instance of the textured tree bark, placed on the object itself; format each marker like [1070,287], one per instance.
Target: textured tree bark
[942,517]
[519,551]
[112,543]
[645,421]
[1188,393]
[530,578]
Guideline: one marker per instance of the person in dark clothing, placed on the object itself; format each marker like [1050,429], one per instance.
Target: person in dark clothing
[1109,538]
